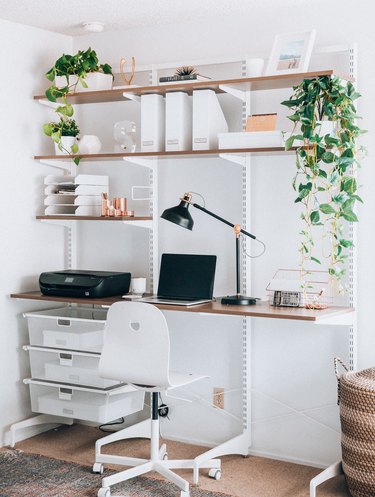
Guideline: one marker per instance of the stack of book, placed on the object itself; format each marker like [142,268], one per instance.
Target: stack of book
[186,78]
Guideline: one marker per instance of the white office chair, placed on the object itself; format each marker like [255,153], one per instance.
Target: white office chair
[136,351]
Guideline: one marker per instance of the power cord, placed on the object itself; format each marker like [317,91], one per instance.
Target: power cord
[120,422]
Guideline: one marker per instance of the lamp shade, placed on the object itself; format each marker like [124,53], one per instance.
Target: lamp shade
[179,215]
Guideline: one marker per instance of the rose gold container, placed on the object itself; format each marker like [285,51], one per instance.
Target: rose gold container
[122,205]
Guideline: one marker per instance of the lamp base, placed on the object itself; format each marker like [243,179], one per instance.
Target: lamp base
[238,300]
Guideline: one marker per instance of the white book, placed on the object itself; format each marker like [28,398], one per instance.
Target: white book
[152,123]
[208,120]
[178,121]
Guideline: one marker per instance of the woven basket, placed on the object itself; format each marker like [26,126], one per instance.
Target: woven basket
[357,416]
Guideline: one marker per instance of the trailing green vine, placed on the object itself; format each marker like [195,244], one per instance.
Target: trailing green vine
[326,162]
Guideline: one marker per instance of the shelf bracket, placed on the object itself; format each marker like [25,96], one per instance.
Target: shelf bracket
[237,159]
[60,164]
[131,96]
[240,94]
[48,103]
[139,161]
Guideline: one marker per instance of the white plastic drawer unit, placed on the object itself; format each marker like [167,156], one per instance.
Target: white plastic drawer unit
[67,366]
[73,328]
[90,404]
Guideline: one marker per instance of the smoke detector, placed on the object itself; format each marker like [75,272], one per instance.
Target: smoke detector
[93,26]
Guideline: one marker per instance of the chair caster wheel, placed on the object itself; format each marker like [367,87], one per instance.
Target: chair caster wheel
[98,468]
[215,473]
[165,457]
[104,492]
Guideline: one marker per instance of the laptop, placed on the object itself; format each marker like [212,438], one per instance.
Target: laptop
[185,279]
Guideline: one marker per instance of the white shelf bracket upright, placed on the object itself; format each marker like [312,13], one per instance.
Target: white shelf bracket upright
[237,159]
[60,164]
[235,92]
[139,161]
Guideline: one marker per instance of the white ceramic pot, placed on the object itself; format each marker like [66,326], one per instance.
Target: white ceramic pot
[66,142]
[95,81]
[89,144]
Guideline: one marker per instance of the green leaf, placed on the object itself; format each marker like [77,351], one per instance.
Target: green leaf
[348,185]
[328,157]
[315,260]
[74,148]
[350,216]
[346,243]
[56,136]
[289,142]
[77,160]
[315,217]
[327,209]
[291,103]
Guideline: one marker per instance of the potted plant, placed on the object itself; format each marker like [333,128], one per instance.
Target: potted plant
[81,71]
[326,166]
[64,133]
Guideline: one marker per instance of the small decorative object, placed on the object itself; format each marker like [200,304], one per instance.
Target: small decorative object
[185,74]
[261,122]
[90,144]
[295,288]
[291,53]
[125,79]
[115,207]
[64,134]
[254,67]
[124,133]
[327,159]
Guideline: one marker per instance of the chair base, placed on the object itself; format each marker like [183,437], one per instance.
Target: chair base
[158,461]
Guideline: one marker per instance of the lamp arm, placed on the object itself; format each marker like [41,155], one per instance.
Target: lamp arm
[197,206]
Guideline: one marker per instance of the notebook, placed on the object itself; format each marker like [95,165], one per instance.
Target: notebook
[185,279]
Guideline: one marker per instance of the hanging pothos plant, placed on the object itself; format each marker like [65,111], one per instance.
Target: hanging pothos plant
[326,164]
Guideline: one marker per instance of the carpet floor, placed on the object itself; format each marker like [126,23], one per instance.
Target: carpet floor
[241,477]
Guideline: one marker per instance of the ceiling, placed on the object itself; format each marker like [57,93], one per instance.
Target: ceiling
[67,16]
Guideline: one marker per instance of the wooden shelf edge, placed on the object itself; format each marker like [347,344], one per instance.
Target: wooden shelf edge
[182,153]
[258,83]
[94,218]
[260,310]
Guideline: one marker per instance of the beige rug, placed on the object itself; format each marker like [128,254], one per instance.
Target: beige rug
[241,477]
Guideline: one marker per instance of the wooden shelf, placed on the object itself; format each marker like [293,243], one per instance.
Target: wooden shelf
[254,84]
[168,155]
[95,218]
[260,310]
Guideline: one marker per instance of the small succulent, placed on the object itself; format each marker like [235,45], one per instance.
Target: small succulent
[186,71]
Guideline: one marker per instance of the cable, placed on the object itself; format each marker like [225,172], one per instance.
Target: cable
[201,196]
[254,256]
[122,420]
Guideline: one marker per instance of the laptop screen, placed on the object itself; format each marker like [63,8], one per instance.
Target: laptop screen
[187,276]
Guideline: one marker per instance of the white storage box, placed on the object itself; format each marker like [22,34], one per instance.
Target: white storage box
[253,139]
[72,328]
[66,366]
[90,404]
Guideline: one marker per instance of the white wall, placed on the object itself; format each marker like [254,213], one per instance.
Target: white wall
[27,247]
[291,363]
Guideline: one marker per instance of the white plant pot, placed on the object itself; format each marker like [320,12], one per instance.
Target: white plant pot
[95,81]
[89,144]
[67,142]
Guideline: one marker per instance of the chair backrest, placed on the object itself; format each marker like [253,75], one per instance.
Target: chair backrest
[136,345]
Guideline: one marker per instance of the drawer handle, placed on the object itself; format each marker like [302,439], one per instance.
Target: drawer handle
[63,322]
[66,359]
[65,393]
[68,411]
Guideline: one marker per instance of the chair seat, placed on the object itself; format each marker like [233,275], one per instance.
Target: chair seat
[178,379]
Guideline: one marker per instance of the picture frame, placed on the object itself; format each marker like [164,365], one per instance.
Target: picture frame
[291,53]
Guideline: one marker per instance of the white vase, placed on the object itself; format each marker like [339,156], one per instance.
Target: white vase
[66,143]
[95,81]
[89,144]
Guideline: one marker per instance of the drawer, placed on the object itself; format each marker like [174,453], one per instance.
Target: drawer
[67,328]
[90,404]
[66,366]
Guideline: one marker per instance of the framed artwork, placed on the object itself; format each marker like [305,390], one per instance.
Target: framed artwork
[291,53]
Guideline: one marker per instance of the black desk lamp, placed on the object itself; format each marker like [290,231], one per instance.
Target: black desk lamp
[180,215]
